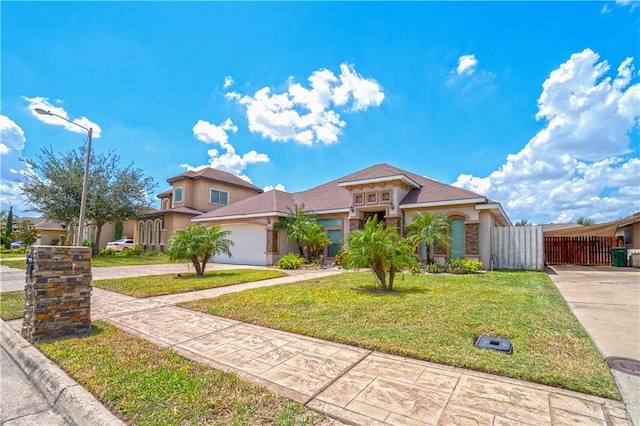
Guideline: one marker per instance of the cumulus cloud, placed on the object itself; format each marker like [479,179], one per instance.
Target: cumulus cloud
[309,115]
[228,81]
[278,187]
[466,64]
[580,163]
[227,161]
[12,142]
[43,103]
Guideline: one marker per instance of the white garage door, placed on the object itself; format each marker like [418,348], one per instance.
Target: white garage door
[250,243]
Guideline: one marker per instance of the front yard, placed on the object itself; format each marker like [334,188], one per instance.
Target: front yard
[437,318]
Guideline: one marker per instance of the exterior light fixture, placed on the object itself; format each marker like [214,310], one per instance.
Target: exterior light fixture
[83,200]
[352,209]
[391,206]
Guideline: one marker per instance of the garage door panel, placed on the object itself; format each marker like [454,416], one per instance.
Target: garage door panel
[249,245]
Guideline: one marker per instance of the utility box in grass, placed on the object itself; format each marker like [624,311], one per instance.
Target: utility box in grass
[57,292]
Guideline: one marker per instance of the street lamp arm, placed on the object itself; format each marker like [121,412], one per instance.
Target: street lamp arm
[45,112]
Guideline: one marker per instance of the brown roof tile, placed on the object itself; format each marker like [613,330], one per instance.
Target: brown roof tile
[214,175]
[332,196]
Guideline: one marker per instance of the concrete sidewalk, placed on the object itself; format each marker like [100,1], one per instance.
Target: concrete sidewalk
[352,385]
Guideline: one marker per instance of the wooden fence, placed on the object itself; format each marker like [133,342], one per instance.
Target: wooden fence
[578,250]
[517,247]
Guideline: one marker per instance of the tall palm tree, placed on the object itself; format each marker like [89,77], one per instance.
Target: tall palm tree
[428,229]
[198,245]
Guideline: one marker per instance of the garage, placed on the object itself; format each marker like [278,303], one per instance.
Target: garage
[249,245]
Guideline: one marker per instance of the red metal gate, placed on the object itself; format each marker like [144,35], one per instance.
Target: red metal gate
[578,250]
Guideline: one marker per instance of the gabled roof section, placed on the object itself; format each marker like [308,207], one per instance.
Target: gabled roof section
[268,203]
[164,194]
[607,229]
[215,175]
[333,196]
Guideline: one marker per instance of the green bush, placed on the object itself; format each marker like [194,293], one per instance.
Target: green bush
[290,261]
[462,266]
[433,268]
[108,251]
[136,250]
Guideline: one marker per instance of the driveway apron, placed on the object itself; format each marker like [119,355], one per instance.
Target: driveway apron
[606,301]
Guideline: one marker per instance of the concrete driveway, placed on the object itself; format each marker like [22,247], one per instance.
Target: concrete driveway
[606,301]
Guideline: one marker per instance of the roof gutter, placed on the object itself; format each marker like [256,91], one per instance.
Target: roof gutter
[495,206]
[443,203]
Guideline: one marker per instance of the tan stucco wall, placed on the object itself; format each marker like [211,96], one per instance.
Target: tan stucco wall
[196,193]
[46,237]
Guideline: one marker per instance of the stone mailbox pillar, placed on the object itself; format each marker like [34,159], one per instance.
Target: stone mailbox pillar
[57,293]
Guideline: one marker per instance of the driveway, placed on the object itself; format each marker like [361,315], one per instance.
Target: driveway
[606,301]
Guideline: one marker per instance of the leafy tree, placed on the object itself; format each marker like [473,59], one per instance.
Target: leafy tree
[428,229]
[53,186]
[26,232]
[298,226]
[9,230]
[585,221]
[523,222]
[198,244]
[382,249]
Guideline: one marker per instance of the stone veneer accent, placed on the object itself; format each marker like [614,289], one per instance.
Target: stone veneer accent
[393,221]
[58,295]
[355,223]
[272,241]
[472,239]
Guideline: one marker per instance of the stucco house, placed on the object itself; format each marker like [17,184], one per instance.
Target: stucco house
[192,193]
[341,206]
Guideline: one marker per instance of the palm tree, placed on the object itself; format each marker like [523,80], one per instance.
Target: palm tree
[315,239]
[382,249]
[297,226]
[198,244]
[428,229]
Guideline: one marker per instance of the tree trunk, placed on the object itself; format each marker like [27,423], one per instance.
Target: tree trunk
[196,264]
[392,275]
[96,245]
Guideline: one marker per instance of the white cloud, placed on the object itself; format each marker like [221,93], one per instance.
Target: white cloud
[631,3]
[308,115]
[228,161]
[228,81]
[12,142]
[277,187]
[579,163]
[43,103]
[466,64]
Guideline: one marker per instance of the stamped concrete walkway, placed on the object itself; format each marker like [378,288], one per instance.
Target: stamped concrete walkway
[352,385]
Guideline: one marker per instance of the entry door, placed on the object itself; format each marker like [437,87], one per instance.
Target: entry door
[457,239]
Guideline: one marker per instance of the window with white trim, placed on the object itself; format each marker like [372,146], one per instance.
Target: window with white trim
[177,195]
[218,197]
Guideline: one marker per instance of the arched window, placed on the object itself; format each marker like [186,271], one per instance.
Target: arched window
[158,226]
[177,195]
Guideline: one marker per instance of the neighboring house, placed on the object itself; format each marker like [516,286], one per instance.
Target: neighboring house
[591,244]
[342,205]
[49,231]
[192,193]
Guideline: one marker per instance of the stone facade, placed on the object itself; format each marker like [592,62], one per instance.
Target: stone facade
[472,239]
[57,293]
[272,241]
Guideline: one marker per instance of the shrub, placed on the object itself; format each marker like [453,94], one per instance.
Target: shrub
[108,252]
[136,250]
[462,266]
[290,261]
[433,268]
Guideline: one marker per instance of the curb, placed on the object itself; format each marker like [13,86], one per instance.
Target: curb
[64,395]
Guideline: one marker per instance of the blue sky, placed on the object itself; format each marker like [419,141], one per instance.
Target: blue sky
[534,104]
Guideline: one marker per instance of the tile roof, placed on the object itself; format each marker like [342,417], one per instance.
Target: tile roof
[332,196]
[214,175]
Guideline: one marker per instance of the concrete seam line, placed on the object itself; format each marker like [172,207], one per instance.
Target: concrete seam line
[52,382]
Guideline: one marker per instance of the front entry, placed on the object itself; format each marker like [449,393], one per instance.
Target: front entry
[378,215]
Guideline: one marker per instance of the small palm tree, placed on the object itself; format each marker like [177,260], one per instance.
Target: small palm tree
[428,229]
[300,226]
[382,249]
[315,239]
[198,245]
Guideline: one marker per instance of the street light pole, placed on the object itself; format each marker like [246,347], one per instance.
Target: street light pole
[85,178]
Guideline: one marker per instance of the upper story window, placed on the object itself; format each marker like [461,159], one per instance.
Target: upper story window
[177,195]
[218,197]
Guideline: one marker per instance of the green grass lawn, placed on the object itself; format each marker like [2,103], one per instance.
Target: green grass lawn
[11,305]
[160,285]
[144,384]
[99,260]
[437,318]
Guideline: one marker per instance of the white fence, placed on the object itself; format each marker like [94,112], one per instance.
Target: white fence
[518,247]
